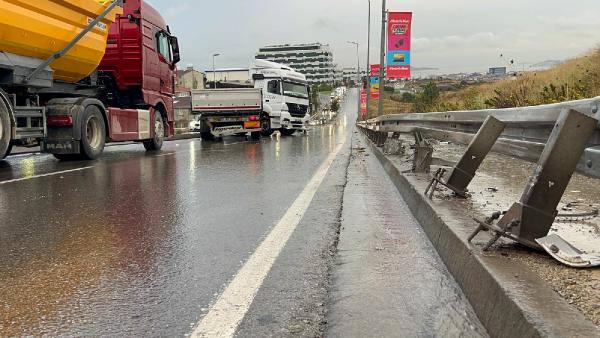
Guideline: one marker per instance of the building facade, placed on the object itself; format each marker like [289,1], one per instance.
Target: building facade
[313,60]
[349,75]
[191,79]
[182,105]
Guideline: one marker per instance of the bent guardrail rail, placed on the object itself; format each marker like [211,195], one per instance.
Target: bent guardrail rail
[525,135]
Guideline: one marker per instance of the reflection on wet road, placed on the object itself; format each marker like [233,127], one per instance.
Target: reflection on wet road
[140,243]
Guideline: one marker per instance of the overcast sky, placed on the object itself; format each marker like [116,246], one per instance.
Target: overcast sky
[457,35]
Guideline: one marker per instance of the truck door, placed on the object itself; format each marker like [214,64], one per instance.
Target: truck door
[165,62]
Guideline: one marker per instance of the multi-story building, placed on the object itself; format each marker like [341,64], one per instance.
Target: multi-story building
[314,60]
[349,74]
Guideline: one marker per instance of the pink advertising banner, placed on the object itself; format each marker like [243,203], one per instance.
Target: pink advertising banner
[399,41]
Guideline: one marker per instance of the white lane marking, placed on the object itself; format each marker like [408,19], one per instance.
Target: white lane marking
[169,154]
[44,175]
[230,308]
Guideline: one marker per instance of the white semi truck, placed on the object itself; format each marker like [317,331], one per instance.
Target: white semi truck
[278,100]
[285,97]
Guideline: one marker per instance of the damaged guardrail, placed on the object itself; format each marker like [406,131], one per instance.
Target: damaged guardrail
[526,132]
[561,137]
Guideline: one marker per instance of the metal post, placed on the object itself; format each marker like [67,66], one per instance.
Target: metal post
[532,217]
[214,71]
[358,80]
[382,57]
[358,85]
[480,146]
[369,62]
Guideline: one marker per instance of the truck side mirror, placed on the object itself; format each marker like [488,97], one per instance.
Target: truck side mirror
[175,48]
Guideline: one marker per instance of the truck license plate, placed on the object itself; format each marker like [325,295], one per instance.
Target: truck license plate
[228,128]
[252,125]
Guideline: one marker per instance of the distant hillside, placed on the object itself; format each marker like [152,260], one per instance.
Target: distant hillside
[545,65]
[573,79]
[417,69]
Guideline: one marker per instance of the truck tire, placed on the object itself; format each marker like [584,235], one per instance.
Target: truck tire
[255,135]
[207,136]
[265,126]
[157,141]
[93,133]
[287,132]
[5,131]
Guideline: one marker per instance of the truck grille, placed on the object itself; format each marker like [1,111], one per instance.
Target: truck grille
[297,110]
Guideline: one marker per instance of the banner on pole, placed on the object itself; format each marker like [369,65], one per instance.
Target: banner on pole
[363,104]
[399,41]
[375,69]
[374,87]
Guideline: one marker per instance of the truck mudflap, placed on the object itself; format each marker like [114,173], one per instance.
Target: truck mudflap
[61,146]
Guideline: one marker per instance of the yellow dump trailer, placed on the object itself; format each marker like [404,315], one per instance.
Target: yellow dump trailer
[40,28]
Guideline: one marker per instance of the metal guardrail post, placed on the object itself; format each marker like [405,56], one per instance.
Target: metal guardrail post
[533,215]
[381,138]
[423,154]
[464,171]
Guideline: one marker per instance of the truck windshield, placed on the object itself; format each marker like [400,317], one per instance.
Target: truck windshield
[295,89]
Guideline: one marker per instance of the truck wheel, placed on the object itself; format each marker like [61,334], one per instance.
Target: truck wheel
[287,132]
[156,143]
[255,135]
[5,132]
[93,133]
[265,126]
[207,136]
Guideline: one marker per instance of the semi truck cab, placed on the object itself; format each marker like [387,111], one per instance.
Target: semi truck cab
[286,97]
[77,74]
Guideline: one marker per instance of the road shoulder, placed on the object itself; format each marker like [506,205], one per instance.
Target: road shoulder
[388,278]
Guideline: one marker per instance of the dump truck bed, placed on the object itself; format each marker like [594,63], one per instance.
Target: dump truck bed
[40,28]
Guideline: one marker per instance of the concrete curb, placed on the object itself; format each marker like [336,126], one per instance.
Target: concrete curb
[509,300]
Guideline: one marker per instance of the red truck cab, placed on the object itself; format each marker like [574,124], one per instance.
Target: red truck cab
[138,72]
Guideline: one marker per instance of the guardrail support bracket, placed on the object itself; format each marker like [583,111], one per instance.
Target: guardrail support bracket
[532,217]
[463,173]
[423,154]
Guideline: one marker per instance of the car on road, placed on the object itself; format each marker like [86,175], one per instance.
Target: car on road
[195,124]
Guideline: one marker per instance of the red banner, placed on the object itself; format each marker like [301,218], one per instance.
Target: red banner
[375,69]
[399,41]
[363,104]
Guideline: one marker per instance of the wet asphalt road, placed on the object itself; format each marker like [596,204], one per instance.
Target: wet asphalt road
[139,243]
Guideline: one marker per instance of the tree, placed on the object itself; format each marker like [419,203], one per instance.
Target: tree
[428,99]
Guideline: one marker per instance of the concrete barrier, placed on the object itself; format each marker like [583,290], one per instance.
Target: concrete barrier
[509,300]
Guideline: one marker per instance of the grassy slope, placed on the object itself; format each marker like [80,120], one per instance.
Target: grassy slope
[574,79]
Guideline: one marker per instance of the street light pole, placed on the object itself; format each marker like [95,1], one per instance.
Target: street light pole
[358,81]
[382,57]
[214,71]
[369,60]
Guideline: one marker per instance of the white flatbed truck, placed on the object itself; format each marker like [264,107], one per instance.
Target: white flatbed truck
[223,112]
